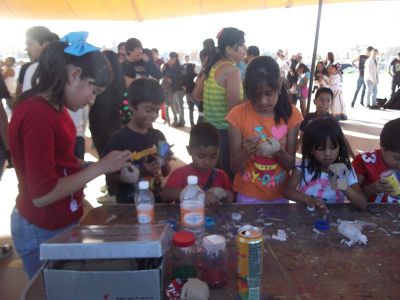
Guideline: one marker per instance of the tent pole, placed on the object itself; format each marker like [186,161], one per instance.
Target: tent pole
[314,57]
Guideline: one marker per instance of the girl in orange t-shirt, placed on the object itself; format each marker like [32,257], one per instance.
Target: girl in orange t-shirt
[260,177]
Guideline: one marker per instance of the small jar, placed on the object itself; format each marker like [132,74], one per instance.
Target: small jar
[213,261]
[184,255]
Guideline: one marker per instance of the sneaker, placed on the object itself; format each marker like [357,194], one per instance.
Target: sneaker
[5,250]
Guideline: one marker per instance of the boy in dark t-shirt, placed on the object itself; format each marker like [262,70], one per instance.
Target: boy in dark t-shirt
[145,97]
[323,102]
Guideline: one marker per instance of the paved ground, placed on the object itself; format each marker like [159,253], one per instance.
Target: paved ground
[362,129]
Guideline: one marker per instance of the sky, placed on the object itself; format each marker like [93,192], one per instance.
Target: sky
[343,26]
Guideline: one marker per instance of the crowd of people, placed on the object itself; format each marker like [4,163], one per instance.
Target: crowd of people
[244,141]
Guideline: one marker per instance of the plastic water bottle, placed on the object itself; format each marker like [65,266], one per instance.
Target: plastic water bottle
[144,200]
[192,206]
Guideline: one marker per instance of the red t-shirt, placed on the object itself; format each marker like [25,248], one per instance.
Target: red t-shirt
[42,141]
[370,165]
[178,178]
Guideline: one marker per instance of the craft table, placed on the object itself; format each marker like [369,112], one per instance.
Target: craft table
[309,264]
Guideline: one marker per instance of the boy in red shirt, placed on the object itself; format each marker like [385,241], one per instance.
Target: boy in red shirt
[370,165]
[204,150]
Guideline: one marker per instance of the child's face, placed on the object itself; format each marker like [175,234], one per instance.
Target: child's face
[135,54]
[144,114]
[326,155]
[331,70]
[391,159]
[323,103]
[204,158]
[34,48]
[80,92]
[266,101]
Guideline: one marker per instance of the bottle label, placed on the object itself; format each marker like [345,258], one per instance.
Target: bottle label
[192,215]
[145,213]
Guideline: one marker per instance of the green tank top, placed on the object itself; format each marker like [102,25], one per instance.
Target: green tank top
[214,98]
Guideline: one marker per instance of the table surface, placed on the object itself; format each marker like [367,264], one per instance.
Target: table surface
[309,264]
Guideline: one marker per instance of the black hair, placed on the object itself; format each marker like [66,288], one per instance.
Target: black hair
[117,86]
[149,54]
[204,134]
[370,48]
[173,55]
[390,136]
[331,57]
[302,65]
[208,44]
[120,45]
[131,44]
[325,90]
[264,71]
[51,75]
[145,90]
[227,37]
[41,34]
[253,50]
[315,136]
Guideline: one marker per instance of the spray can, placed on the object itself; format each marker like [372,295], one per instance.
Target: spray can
[391,178]
[250,247]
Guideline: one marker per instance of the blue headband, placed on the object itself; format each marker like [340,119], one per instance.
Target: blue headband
[77,43]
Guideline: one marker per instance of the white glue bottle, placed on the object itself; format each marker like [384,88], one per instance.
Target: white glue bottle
[192,206]
[144,200]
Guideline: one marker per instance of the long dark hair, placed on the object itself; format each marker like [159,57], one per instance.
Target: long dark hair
[50,77]
[227,37]
[315,136]
[264,71]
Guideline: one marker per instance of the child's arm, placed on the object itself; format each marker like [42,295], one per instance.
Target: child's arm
[287,155]
[166,168]
[292,193]
[170,194]
[113,161]
[356,196]
[240,150]
[377,187]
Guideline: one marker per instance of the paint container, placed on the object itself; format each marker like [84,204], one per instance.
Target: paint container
[213,263]
[391,178]
[250,244]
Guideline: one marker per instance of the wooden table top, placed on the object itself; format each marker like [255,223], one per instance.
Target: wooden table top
[308,265]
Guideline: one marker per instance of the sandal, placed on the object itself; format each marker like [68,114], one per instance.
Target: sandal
[5,250]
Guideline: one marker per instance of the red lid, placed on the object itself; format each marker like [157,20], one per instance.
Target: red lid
[183,239]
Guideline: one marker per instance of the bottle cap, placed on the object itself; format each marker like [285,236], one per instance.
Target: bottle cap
[192,179]
[214,243]
[236,216]
[143,185]
[209,222]
[322,225]
[183,239]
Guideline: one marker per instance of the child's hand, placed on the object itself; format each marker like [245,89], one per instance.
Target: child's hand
[152,168]
[250,145]
[129,174]
[318,203]
[114,161]
[380,186]
[230,198]
[211,199]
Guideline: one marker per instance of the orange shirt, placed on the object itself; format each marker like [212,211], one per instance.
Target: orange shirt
[262,178]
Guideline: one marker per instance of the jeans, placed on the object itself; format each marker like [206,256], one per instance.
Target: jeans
[360,83]
[372,92]
[177,102]
[27,238]
[395,84]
